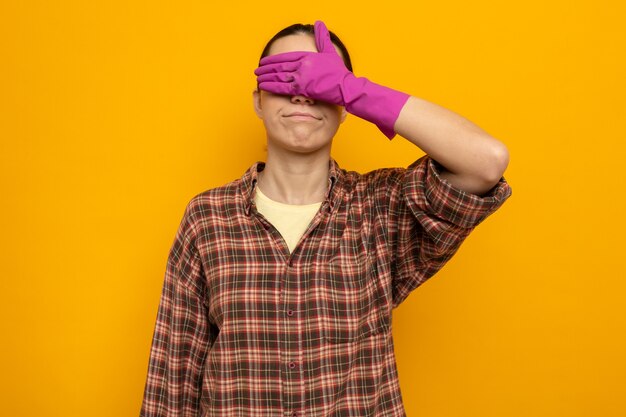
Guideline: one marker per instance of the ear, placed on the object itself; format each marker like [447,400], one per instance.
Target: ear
[256,101]
[343,115]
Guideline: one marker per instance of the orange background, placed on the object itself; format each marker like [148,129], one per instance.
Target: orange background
[114,114]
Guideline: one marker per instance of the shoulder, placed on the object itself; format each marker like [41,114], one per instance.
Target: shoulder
[216,195]
[381,179]
[213,201]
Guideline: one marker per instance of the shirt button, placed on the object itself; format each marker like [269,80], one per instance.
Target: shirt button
[294,414]
[290,313]
[292,365]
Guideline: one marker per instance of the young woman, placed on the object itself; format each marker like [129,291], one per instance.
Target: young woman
[280,286]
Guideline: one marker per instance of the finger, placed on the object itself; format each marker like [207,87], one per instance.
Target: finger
[278,67]
[276,77]
[322,38]
[284,57]
[285,89]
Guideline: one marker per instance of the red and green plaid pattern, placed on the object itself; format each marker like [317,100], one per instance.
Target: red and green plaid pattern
[244,328]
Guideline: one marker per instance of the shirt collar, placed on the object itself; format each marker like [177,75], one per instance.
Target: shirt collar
[250,178]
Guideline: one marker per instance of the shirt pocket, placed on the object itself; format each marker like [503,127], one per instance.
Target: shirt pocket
[348,300]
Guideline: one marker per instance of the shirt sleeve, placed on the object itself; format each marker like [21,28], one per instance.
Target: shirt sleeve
[432,219]
[180,339]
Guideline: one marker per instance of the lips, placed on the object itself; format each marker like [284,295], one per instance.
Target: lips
[299,114]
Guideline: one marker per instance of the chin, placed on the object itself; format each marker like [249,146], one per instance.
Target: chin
[306,150]
[303,144]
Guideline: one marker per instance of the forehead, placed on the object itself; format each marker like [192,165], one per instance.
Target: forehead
[297,42]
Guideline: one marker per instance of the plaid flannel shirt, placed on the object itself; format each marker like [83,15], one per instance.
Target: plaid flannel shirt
[244,328]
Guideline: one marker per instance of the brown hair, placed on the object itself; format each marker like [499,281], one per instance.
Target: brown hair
[310,30]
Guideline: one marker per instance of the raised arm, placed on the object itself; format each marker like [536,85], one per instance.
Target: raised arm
[473,160]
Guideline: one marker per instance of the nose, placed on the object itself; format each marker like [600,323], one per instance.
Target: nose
[299,99]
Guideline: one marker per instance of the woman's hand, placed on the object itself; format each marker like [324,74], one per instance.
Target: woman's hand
[323,76]
[318,75]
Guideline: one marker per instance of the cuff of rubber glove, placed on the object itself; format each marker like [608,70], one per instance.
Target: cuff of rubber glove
[377,104]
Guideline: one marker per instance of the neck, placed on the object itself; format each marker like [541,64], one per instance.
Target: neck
[296,179]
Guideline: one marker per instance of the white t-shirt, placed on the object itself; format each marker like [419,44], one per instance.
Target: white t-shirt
[291,220]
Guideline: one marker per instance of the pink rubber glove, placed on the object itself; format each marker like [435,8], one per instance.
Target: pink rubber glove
[323,76]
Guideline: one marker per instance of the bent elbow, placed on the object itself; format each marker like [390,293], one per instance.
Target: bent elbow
[498,162]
